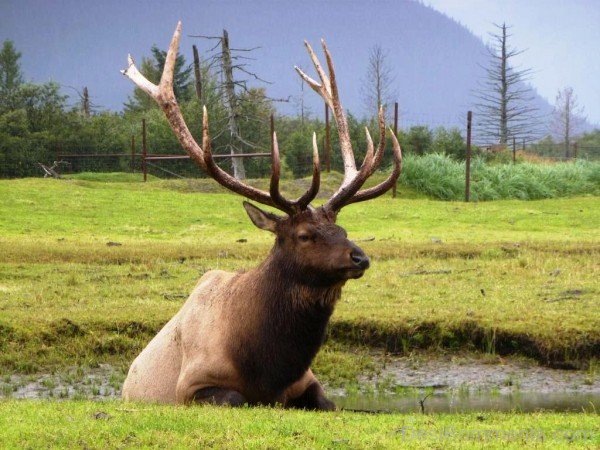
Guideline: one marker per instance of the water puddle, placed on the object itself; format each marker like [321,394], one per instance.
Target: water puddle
[102,382]
[473,383]
[457,403]
[418,383]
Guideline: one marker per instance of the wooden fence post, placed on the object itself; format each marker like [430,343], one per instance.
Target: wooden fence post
[327,140]
[395,187]
[514,150]
[132,153]
[144,150]
[468,159]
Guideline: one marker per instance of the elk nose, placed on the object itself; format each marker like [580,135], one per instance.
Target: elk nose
[360,259]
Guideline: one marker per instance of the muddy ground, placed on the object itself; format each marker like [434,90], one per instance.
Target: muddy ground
[394,375]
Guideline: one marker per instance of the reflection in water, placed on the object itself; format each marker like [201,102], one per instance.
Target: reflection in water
[456,403]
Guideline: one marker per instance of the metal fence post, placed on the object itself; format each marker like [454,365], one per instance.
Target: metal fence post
[272,122]
[144,150]
[468,159]
[132,153]
[57,156]
[395,187]
[327,140]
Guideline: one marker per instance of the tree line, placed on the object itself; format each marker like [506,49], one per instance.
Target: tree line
[37,122]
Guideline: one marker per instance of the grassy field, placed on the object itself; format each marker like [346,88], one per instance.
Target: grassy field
[90,270]
[121,425]
[92,267]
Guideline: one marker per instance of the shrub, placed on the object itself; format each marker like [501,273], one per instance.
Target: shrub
[441,177]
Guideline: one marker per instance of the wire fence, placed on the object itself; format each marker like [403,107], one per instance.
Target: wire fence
[160,159]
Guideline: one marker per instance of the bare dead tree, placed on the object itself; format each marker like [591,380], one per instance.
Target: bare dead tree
[197,74]
[231,103]
[85,106]
[567,117]
[225,62]
[504,100]
[300,104]
[377,86]
[85,102]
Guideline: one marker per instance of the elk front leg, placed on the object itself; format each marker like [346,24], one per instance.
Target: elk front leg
[219,396]
[307,393]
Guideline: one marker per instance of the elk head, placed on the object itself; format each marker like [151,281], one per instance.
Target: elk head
[307,238]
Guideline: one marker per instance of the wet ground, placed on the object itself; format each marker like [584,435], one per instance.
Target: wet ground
[473,383]
[423,383]
[453,402]
[97,383]
[479,373]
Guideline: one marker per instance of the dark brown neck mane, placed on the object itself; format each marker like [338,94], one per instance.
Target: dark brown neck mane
[285,325]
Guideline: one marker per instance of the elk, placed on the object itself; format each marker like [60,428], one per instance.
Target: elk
[250,337]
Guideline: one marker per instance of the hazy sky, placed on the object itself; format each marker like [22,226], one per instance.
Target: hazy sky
[84,42]
[562,38]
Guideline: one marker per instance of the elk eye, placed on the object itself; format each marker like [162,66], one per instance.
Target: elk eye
[303,237]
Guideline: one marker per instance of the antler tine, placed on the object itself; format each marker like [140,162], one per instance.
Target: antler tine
[166,80]
[381,146]
[325,82]
[226,180]
[205,135]
[276,196]
[333,91]
[140,80]
[340,198]
[312,192]
[293,206]
[340,120]
[309,80]
[164,96]
[386,185]
[329,92]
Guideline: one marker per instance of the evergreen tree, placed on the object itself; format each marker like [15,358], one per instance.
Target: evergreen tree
[182,83]
[152,69]
[11,77]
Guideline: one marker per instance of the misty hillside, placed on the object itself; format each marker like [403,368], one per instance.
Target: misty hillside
[435,60]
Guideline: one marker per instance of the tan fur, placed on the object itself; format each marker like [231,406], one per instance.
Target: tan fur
[182,356]
[185,355]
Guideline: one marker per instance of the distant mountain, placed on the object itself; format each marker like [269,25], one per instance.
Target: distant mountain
[435,60]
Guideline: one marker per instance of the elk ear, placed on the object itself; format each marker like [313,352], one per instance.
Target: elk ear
[262,219]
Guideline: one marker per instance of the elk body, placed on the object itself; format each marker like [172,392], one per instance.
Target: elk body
[250,337]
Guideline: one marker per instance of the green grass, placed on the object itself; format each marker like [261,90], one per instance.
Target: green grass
[500,277]
[444,178]
[173,210]
[75,424]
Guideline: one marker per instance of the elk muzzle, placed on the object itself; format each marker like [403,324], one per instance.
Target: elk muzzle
[359,260]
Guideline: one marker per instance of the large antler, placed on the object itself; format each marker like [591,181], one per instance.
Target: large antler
[349,191]
[165,97]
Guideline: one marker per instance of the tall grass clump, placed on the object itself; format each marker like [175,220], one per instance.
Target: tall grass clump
[442,177]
